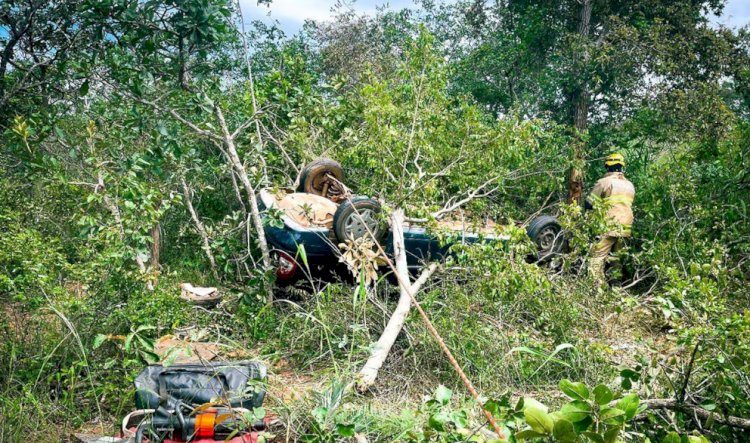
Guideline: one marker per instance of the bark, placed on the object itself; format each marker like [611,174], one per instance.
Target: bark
[243,208]
[238,194]
[7,54]
[369,371]
[200,228]
[182,70]
[236,162]
[697,411]
[581,113]
[15,35]
[155,250]
[155,244]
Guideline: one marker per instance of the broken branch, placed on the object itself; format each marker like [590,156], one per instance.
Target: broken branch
[674,405]
[369,371]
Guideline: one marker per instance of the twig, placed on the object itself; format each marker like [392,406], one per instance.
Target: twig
[683,389]
[186,191]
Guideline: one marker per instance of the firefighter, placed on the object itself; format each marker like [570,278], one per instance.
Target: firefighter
[615,193]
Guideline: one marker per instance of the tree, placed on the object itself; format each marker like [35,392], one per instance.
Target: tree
[575,59]
[45,51]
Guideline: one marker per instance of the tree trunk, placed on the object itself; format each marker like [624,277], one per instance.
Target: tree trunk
[199,227]
[581,113]
[5,58]
[234,158]
[182,62]
[155,245]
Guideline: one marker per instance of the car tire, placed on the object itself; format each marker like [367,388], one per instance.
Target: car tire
[358,217]
[545,231]
[315,175]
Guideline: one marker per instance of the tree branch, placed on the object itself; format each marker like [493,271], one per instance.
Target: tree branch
[674,405]
[369,371]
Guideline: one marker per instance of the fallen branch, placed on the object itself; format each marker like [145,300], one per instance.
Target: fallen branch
[406,287]
[705,414]
[452,205]
[369,371]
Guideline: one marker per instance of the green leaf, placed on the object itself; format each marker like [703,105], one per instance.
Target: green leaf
[145,328]
[563,430]
[603,395]
[584,424]
[531,403]
[539,420]
[574,390]
[345,430]
[259,413]
[629,374]
[146,343]
[302,253]
[593,436]
[672,437]
[443,394]
[611,435]
[613,416]
[129,341]
[320,414]
[528,434]
[172,355]
[576,410]
[629,404]
[550,357]
[150,357]
[99,339]
[438,421]
[460,419]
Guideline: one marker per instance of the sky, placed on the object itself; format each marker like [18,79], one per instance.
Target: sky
[291,14]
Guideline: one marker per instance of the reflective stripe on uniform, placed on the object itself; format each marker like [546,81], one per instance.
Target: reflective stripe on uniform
[614,199]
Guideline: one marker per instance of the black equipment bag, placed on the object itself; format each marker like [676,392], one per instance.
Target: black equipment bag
[197,384]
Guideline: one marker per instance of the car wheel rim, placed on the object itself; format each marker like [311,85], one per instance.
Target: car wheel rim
[547,239]
[360,223]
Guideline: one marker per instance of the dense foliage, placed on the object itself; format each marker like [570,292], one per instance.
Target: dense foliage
[135,135]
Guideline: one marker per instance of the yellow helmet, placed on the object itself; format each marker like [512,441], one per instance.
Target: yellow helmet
[614,159]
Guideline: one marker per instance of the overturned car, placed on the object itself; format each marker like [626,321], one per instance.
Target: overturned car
[321,214]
